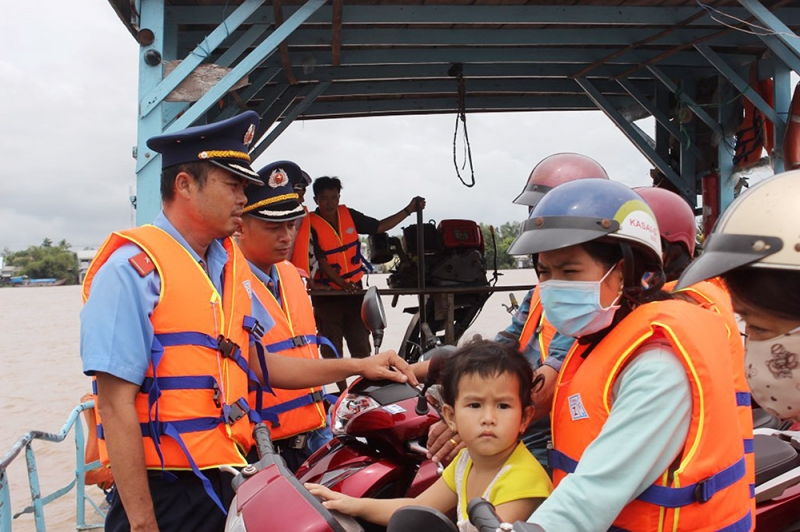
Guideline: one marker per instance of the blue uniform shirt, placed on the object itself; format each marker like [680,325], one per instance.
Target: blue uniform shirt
[116,332]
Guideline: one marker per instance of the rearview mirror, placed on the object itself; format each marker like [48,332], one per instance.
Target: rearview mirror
[373,315]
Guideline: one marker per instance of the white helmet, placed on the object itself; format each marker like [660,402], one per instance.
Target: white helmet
[760,229]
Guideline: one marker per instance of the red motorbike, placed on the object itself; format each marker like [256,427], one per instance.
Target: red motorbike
[379,429]
[377,451]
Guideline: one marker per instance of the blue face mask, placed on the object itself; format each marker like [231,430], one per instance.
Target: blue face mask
[573,307]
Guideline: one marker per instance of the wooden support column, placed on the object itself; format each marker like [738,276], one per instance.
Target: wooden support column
[336,36]
[286,61]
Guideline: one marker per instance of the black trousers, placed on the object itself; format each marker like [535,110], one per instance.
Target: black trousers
[182,504]
[339,318]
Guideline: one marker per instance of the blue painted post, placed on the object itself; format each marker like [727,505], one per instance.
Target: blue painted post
[783,99]
[5,502]
[148,176]
[36,491]
[80,473]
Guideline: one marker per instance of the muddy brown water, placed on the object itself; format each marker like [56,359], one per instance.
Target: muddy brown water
[41,379]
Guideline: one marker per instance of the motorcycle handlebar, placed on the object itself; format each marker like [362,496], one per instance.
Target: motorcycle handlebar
[263,440]
[481,514]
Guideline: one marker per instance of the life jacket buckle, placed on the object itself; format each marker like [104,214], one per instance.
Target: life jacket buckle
[317,397]
[217,402]
[299,341]
[236,413]
[701,494]
[225,346]
[255,328]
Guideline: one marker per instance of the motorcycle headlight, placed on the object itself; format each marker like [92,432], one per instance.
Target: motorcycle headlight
[235,520]
[348,408]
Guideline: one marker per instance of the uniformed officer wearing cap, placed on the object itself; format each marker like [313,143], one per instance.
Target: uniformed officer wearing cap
[266,236]
[163,300]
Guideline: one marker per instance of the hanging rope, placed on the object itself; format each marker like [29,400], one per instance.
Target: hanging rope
[457,71]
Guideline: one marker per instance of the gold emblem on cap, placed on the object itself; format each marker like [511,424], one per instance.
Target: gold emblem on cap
[278,178]
[249,134]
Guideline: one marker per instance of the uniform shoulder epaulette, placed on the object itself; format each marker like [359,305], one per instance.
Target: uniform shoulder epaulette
[142,263]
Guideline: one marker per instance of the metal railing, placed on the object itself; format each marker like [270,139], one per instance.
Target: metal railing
[38,501]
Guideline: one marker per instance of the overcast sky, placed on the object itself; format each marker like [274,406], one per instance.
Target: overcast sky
[68,124]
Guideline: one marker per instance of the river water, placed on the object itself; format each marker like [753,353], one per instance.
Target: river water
[41,379]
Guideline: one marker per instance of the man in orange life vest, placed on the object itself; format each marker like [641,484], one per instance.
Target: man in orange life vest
[268,229]
[168,334]
[335,229]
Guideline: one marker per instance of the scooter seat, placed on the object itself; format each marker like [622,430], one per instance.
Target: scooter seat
[774,457]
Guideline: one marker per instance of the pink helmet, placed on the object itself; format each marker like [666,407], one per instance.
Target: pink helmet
[555,170]
[674,216]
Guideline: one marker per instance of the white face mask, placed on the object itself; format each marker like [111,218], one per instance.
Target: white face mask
[574,308]
[773,373]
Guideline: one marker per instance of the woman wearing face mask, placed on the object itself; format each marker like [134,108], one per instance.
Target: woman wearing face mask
[644,415]
[755,247]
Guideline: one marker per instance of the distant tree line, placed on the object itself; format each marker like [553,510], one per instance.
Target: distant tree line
[504,235]
[45,261]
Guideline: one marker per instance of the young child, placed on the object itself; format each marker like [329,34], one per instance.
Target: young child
[486,389]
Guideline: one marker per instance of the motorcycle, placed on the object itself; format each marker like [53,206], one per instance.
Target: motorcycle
[269,497]
[379,429]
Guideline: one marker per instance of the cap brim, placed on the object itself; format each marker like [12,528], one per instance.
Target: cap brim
[279,212]
[549,239]
[556,232]
[724,253]
[239,168]
[530,197]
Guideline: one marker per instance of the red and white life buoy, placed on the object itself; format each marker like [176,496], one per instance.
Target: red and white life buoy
[791,142]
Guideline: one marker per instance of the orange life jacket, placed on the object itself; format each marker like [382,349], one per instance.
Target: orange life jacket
[101,475]
[198,378]
[712,295]
[302,242]
[293,335]
[706,487]
[340,247]
[537,322]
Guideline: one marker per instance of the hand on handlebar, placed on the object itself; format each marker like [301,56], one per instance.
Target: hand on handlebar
[443,443]
[380,367]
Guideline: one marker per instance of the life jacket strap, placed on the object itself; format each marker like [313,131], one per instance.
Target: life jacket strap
[664,496]
[743,399]
[341,248]
[699,492]
[300,341]
[298,402]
